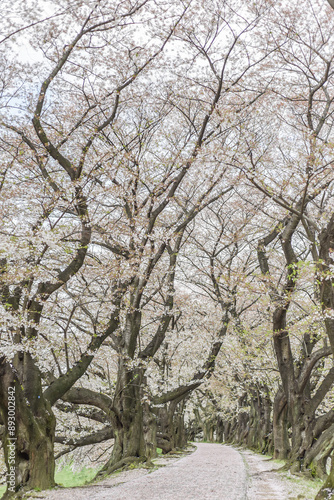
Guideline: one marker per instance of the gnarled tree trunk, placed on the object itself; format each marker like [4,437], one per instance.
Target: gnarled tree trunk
[280,428]
[128,422]
[29,442]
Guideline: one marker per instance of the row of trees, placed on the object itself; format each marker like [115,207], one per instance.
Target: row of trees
[166,203]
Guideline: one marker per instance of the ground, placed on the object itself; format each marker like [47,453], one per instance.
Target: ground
[211,472]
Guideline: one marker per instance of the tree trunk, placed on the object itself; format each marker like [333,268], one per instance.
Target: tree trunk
[254,420]
[231,430]
[128,422]
[150,432]
[167,428]
[266,427]
[316,456]
[28,442]
[179,427]
[219,430]
[243,428]
[259,421]
[297,431]
[280,428]
[171,428]
[327,491]
[208,430]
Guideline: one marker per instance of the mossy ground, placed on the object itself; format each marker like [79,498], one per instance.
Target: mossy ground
[68,478]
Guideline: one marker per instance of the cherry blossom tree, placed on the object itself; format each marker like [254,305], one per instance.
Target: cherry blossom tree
[166,194]
[48,140]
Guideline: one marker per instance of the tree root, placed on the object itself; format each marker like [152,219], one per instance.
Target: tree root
[109,467]
[325,494]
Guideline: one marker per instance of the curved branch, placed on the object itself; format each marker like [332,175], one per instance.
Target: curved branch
[84,396]
[309,365]
[97,437]
[62,384]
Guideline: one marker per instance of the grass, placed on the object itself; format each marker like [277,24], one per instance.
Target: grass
[69,478]
[2,490]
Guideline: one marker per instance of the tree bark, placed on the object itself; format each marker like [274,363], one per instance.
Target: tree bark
[327,300]
[127,418]
[31,450]
[327,491]
[280,427]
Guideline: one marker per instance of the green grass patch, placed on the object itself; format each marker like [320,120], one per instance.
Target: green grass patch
[277,461]
[68,478]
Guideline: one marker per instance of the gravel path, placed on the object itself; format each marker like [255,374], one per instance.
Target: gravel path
[212,472]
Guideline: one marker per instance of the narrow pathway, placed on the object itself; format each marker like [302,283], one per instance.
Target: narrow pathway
[211,472]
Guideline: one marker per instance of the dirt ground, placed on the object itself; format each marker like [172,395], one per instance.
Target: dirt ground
[211,472]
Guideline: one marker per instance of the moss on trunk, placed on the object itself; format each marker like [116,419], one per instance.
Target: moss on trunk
[30,456]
